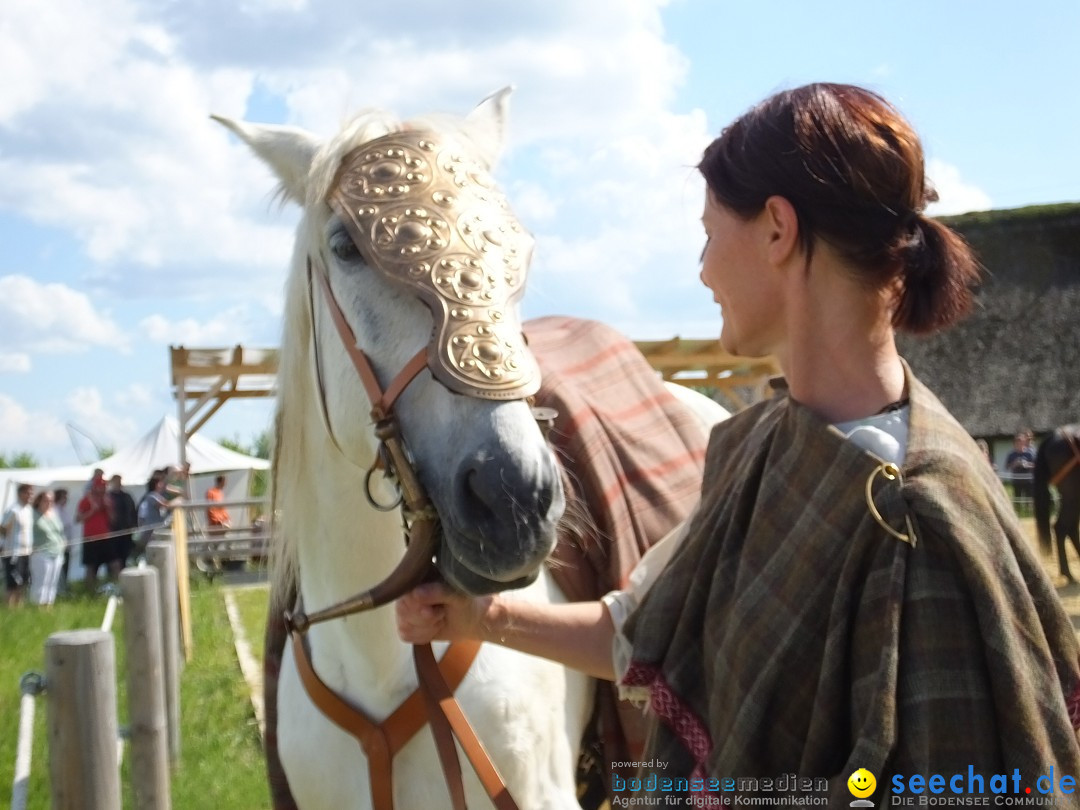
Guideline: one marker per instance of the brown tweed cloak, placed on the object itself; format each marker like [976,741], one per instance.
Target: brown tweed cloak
[792,634]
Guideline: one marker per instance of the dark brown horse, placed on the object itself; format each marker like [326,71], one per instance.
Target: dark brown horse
[1058,464]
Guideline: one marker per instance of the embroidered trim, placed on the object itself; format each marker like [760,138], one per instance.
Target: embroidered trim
[670,708]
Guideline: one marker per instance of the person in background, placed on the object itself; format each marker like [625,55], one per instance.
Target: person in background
[97,477]
[97,546]
[60,508]
[1020,463]
[217,517]
[48,555]
[17,543]
[177,481]
[854,590]
[123,521]
[152,511]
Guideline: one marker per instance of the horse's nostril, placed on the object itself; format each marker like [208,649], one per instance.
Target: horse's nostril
[482,499]
[499,500]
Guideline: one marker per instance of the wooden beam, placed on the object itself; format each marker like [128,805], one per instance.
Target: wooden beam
[248,393]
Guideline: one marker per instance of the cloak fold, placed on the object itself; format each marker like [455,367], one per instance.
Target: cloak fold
[793,633]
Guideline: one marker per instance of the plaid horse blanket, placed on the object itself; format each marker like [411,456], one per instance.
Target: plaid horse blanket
[632,457]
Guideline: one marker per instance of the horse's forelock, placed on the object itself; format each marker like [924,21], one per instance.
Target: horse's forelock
[367,126]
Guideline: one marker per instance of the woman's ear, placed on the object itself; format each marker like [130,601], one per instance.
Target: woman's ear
[781,224]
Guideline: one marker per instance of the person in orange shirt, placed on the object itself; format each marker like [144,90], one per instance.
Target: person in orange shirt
[217,516]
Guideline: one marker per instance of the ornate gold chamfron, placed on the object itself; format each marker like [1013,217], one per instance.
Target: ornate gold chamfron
[426,214]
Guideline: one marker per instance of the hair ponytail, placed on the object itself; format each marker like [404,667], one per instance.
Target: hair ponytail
[938,272]
[853,169]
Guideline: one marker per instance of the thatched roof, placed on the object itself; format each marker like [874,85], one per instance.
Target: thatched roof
[1015,362]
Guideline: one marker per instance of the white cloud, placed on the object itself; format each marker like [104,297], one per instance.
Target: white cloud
[22,430]
[112,141]
[135,395]
[224,329]
[111,145]
[14,362]
[533,203]
[629,221]
[103,423]
[955,195]
[53,317]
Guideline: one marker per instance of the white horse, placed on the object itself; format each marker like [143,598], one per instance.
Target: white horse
[484,464]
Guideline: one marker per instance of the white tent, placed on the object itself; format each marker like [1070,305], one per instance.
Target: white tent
[159,448]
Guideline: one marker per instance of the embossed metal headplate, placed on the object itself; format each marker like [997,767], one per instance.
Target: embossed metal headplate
[425,213]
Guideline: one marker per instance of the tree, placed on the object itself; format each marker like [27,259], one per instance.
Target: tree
[260,448]
[21,460]
[264,442]
[235,445]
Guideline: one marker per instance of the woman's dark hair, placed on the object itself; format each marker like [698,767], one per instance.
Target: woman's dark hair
[852,168]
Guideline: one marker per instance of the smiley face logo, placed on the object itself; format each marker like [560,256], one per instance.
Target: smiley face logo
[861,783]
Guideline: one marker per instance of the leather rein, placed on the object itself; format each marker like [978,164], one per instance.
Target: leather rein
[437,681]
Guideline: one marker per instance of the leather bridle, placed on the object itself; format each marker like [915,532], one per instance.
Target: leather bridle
[421,517]
[380,741]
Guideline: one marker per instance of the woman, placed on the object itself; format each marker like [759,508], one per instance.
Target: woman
[854,590]
[48,555]
[93,512]
[152,510]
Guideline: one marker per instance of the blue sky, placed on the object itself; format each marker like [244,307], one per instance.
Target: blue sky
[129,221]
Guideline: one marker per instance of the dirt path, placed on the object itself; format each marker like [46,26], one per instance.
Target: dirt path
[249,665]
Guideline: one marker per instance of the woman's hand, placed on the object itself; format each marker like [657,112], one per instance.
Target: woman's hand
[434,612]
[577,634]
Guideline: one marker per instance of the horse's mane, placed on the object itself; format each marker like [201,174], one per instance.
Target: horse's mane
[295,389]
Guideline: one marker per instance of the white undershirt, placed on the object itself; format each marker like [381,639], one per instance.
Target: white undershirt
[884,434]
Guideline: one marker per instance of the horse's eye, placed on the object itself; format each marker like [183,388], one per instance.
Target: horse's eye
[344,249]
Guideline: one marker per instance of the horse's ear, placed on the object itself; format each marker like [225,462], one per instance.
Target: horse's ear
[488,121]
[287,150]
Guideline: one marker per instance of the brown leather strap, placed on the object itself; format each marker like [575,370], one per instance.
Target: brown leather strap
[1067,467]
[348,338]
[439,691]
[402,380]
[441,731]
[381,741]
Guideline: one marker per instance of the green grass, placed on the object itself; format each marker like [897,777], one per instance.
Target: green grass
[221,753]
[221,763]
[23,632]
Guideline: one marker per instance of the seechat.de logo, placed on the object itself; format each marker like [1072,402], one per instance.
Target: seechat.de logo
[861,784]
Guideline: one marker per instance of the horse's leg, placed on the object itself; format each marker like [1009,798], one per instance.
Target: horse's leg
[1063,560]
[1068,522]
[1065,527]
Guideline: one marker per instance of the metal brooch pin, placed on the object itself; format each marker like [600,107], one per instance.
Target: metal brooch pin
[892,473]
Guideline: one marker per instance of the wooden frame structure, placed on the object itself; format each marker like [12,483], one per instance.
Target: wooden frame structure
[705,364]
[205,379]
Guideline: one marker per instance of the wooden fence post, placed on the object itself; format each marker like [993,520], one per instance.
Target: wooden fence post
[80,676]
[160,554]
[146,689]
[183,581]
